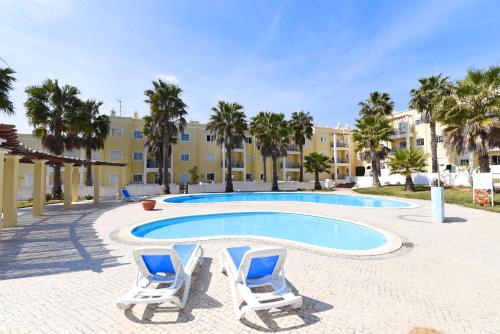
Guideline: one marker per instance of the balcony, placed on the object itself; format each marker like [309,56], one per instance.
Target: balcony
[235,164]
[292,148]
[152,164]
[342,160]
[409,130]
[340,144]
[239,147]
[292,165]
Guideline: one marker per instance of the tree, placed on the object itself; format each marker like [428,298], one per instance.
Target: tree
[195,174]
[228,123]
[153,144]
[317,163]
[167,111]
[406,162]
[370,131]
[6,81]
[426,100]
[301,128]
[50,109]
[377,104]
[279,139]
[471,115]
[93,129]
[259,125]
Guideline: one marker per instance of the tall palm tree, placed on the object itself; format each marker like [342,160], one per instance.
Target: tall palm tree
[228,123]
[426,100]
[471,115]
[279,139]
[50,109]
[93,129]
[258,128]
[377,103]
[153,144]
[370,131]
[301,128]
[6,81]
[167,111]
[406,162]
[317,163]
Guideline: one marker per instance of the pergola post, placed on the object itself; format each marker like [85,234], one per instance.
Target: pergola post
[10,186]
[68,167]
[97,183]
[75,183]
[39,187]
[121,182]
[2,154]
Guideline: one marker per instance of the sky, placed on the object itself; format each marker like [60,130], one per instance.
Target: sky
[319,56]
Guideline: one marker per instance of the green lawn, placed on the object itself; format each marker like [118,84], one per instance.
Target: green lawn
[460,196]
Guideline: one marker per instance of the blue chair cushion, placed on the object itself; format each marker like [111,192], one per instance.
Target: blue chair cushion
[259,267]
[163,263]
[125,193]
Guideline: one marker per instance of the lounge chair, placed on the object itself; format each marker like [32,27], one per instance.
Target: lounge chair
[172,265]
[129,198]
[249,268]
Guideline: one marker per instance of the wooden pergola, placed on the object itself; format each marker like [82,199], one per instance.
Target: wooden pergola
[12,153]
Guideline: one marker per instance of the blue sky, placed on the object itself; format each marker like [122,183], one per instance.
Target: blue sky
[320,56]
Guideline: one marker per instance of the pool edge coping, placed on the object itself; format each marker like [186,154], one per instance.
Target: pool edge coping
[393,241]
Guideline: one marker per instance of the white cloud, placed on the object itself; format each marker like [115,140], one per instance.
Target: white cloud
[167,78]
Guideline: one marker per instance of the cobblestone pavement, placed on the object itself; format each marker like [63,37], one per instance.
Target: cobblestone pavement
[62,273]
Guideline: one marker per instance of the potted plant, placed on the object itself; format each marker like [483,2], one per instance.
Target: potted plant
[148,204]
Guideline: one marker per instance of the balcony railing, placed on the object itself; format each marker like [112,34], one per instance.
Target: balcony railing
[235,164]
[342,160]
[292,148]
[239,147]
[341,176]
[152,164]
[340,144]
[292,165]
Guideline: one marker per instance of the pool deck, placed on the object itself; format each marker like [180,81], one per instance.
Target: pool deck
[61,273]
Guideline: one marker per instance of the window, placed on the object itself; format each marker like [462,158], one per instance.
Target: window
[184,136]
[464,162]
[248,177]
[495,160]
[248,140]
[96,155]
[137,156]
[403,127]
[116,156]
[420,141]
[210,177]
[113,178]
[210,156]
[322,139]
[30,180]
[116,132]
[138,134]
[184,178]
[184,156]
[261,176]
[137,178]
[439,139]
[402,144]
[210,137]
[418,121]
[249,157]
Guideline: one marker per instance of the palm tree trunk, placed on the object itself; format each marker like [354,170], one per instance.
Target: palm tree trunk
[275,174]
[56,187]
[317,185]
[301,163]
[376,181]
[264,169]
[484,162]
[166,161]
[159,162]
[409,185]
[88,174]
[435,167]
[229,175]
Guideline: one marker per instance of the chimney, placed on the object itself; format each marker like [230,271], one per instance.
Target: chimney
[113,112]
[136,115]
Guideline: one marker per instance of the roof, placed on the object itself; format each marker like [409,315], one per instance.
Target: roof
[10,142]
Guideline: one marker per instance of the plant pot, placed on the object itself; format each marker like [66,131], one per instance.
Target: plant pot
[148,204]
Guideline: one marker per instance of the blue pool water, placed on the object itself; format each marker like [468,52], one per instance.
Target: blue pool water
[319,231]
[350,200]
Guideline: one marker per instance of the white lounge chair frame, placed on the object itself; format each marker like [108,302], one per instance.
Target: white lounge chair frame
[141,293]
[281,295]
[130,198]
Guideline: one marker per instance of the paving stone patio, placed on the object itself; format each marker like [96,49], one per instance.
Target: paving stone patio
[61,273]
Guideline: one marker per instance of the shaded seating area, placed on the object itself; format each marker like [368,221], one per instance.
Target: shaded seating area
[13,153]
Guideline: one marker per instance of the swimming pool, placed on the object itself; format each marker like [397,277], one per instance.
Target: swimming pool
[346,200]
[312,230]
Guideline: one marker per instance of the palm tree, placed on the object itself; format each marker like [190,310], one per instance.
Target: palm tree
[426,100]
[167,111]
[228,123]
[471,115]
[258,128]
[377,103]
[153,144]
[50,109]
[301,128]
[93,129]
[370,131]
[279,139]
[317,163]
[406,162]
[6,81]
